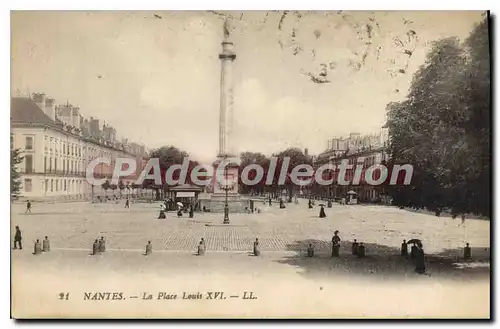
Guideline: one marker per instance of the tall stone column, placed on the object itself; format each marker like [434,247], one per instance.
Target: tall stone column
[227,56]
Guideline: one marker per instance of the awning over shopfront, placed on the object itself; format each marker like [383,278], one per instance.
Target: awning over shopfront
[185,194]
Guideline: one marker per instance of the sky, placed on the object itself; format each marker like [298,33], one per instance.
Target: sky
[156,79]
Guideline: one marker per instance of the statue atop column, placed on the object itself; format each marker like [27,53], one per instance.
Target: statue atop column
[226,29]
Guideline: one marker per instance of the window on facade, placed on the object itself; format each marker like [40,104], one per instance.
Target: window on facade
[27,185]
[55,164]
[29,143]
[46,185]
[28,163]
[11,141]
[44,164]
[51,185]
[57,185]
[64,185]
[50,164]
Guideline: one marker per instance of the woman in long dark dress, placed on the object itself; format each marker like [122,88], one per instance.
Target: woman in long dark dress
[420,259]
[322,212]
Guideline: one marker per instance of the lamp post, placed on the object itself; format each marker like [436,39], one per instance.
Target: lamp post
[226,188]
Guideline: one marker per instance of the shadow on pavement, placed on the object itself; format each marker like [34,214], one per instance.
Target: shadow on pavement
[382,262]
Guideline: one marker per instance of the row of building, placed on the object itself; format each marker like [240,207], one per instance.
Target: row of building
[57,143]
[372,148]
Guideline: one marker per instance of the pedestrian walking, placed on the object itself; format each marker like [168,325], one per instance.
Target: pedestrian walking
[28,207]
[127,203]
[18,239]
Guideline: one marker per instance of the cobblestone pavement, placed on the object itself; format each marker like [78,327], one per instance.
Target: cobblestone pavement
[76,225]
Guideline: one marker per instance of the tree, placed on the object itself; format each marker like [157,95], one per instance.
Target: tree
[253,158]
[15,183]
[297,157]
[443,129]
[168,156]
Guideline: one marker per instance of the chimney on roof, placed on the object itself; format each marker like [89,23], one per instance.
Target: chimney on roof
[75,117]
[50,108]
[39,99]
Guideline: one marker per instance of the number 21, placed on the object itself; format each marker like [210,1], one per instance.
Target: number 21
[64,296]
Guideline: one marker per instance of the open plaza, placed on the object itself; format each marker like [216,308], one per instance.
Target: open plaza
[450,288]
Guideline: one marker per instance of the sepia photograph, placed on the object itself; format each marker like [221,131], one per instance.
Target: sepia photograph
[272,164]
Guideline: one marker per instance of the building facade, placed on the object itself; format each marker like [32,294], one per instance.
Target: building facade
[357,150]
[56,152]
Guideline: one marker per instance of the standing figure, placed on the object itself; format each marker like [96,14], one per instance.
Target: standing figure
[18,239]
[127,203]
[404,249]
[361,250]
[201,248]
[329,204]
[191,212]
[355,245]
[46,244]
[467,252]
[336,239]
[420,259]
[322,212]
[413,251]
[179,212]
[149,248]
[102,245]
[162,211]
[28,206]
[310,204]
[256,249]
[282,204]
[310,250]
[270,202]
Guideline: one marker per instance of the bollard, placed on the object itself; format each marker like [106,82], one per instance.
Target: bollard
[355,247]
[95,247]
[361,250]
[46,244]
[310,251]
[102,245]
[467,252]
[404,249]
[256,249]
[335,250]
[149,248]
[37,248]
[201,249]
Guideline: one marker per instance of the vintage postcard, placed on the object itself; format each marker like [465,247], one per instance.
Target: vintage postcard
[252,164]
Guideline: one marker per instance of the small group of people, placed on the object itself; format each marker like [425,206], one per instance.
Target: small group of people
[417,254]
[163,211]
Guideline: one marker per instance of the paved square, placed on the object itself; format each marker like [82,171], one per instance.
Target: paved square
[280,276]
[76,225]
